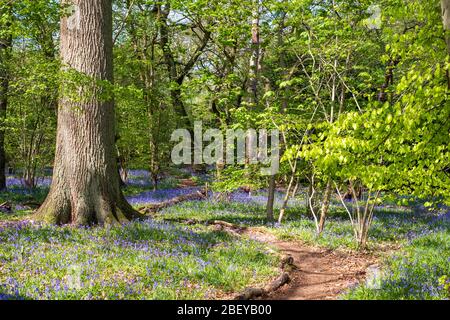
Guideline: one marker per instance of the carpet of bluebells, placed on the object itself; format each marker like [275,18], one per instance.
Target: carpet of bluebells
[163,259]
[140,260]
[420,271]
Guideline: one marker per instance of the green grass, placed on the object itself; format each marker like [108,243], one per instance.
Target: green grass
[390,226]
[162,259]
[232,212]
[17,195]
[394,228]
[141,260]
[167,183]
[14,216]
[421,270]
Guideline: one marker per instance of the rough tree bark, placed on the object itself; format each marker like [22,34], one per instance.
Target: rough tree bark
[85,187]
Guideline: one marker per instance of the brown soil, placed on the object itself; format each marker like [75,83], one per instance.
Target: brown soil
[318,274]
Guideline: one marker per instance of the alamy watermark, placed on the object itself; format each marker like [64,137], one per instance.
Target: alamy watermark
[73,17]
[236,147]
[373,277]
[374,22]
[73,277]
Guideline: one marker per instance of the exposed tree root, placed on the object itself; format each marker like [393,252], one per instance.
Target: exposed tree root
[31,204]
[230,228]
[218,225]
[277,283]
[286,264]
[152,208]
[87,209]
[252,293]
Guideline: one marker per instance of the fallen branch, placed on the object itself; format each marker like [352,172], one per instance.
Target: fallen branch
[151,208]
[218,225]
[187,183]
[6,207]
[32,204]
[252,293]
[228,225]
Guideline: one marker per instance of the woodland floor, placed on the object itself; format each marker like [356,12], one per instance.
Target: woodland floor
[408,254]
[317,273]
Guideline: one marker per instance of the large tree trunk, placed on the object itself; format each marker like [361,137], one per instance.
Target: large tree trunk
[5,46]
[85,187]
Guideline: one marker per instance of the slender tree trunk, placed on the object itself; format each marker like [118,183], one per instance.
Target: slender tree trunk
[286,198]
[155,181]
[270,199]
[284,104]
[325,207]
[5,46]
[85,187]
[310,200]
[4,84]
[177,77]
[255,61]
[445,5]
[175,91]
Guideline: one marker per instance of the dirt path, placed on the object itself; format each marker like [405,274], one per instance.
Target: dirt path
[318,274]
